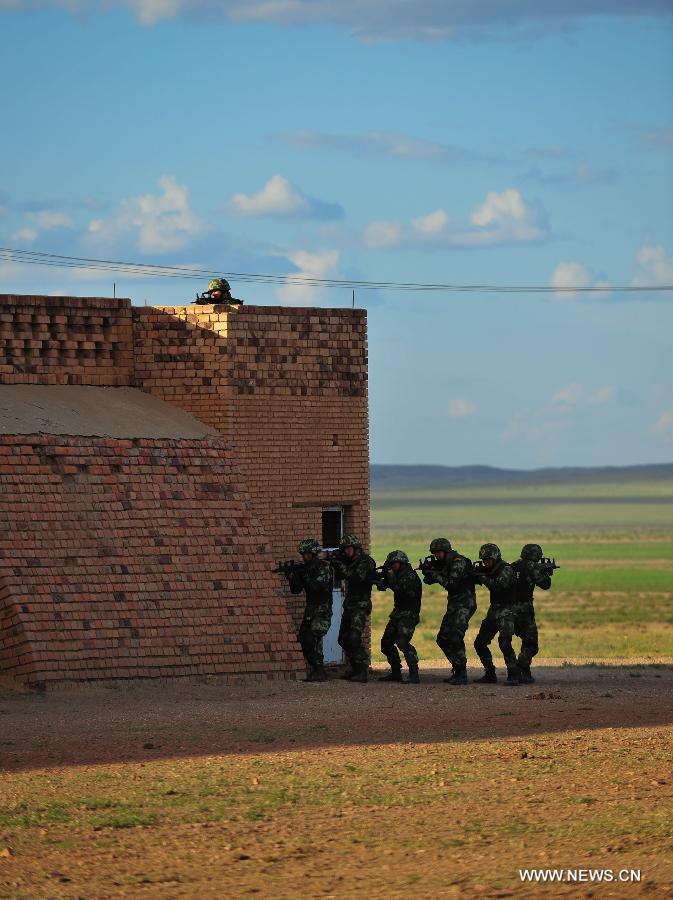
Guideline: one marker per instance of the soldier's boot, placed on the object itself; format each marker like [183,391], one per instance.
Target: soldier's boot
[394,675]
[350,672]
[525,676]
[360,675]
[459,676]
[512,677]
[414,677]
[316,674]
[489,677]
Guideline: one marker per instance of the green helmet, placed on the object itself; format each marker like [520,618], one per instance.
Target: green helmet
[349,540]
[220,284]
[309,545]
[490,551]
[533,552]
[397,556]
[441,544]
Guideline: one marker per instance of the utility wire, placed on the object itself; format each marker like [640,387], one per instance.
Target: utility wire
[145,270]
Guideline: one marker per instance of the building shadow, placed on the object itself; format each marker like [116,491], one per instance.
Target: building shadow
[139,722]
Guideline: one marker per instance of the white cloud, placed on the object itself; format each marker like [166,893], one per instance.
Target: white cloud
[433,223]
[390,144]
[279,198]
[154,223]
[529,428]
[502,218]
[580,173]
[322,264]
[459,407]
[48,219]
[572,279]
[575,395]
[656,266]
[372,20]
[664,424]
[660,137]
[27,235]
[382,234]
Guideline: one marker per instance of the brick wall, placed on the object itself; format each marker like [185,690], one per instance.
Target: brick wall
[65,340]
[287,390]
[288,387]
[129,558]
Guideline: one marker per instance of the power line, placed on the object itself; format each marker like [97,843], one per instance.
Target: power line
[151,270]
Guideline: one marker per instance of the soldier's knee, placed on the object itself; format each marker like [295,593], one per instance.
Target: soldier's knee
[505,641]
[532,645]
[480,643]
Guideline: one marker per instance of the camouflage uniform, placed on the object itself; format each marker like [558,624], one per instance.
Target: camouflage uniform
[359,573]
[314,577]
[407,590]
[528,577]
[500,618]
[454,574]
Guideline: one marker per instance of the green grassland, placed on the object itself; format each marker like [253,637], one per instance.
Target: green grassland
[612,596]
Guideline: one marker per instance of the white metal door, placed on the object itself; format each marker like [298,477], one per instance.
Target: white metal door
[332,652]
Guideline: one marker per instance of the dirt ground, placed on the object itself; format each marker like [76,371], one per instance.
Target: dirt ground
[286,789]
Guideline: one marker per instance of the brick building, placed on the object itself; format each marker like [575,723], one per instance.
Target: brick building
[154,464]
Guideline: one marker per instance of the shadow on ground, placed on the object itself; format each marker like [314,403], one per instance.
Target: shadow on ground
[97,725]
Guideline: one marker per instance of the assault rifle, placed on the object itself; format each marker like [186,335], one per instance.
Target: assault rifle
[378,578]
[546,566]
[426,565]
[330,555]
[206,297]
[287,567]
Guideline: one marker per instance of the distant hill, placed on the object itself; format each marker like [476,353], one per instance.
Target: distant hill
[464,476]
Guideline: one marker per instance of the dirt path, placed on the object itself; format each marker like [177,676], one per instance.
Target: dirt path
[99,725]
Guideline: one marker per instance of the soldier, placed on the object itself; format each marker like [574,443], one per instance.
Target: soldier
[218,292]
[359,572]
[500,579]
[407,589]
[454,573]
[314,577]
[529,575]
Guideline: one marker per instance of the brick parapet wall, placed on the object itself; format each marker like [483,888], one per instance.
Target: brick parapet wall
[65,340]
[133,558]
[182,356]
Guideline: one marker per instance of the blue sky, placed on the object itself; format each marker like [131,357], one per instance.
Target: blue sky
[495,142]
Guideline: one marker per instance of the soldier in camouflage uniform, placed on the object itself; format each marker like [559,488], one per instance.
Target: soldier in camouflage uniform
[454,573]
[407,590]
[529,575]
[500,579]
[358,570]
[218,292]
[314,577]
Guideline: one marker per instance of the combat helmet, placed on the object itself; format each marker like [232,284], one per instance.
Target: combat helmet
[349,540]
[309,545]
[220,284]
[397,556]
[490,551]
[532,552]
[441,544]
